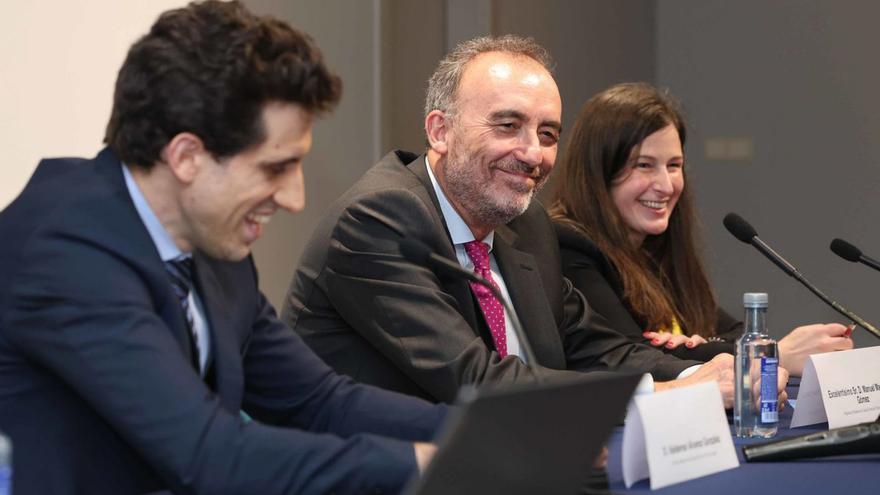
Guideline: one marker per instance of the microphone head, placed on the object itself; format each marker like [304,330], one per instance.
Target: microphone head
[846,250]
[740,229]
[414,250]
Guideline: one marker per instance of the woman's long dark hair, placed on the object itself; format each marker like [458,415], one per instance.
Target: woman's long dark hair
[664,277]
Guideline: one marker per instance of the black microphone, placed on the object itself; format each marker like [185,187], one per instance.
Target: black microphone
[741,229]
[862,438]
[417,252]
[851,253]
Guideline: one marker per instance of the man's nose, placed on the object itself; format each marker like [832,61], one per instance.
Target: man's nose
[291,195]
[530,151]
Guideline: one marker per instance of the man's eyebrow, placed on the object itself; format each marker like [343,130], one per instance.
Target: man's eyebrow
[280,161]
[508,114]
[516,114]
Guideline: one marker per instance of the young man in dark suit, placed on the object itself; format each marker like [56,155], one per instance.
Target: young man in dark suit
[135,345]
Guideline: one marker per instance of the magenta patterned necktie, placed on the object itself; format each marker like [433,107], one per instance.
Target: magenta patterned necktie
[493,311]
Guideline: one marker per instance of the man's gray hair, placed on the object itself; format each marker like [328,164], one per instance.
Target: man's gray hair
[443,84]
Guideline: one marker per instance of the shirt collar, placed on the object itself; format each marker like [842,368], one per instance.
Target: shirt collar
[458,229]
[168,250]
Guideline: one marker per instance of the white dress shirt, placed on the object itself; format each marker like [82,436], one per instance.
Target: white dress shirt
[461,234]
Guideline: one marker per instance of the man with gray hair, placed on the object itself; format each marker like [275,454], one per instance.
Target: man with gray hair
[492,122]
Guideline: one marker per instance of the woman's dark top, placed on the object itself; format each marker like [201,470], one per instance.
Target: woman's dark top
[594,275]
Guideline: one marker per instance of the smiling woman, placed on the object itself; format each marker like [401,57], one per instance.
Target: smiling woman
[623,188]
[627,232]
[646,190]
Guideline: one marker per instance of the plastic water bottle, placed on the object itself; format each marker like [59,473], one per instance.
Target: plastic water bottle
[755,412]
[5,465]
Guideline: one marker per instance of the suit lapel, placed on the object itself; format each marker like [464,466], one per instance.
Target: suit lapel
[224,363]
[527,294]
[127,236]
[458,288]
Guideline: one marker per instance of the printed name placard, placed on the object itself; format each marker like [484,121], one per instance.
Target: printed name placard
[840,387]
[677,435]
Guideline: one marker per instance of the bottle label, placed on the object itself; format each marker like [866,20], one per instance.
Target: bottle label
[5,480]
[769,412]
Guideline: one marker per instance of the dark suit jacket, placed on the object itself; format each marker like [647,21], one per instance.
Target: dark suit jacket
[96,388]
[382,319]
[594,275]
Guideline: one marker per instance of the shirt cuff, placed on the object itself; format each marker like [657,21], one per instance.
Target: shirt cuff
[689,371]
[646,385]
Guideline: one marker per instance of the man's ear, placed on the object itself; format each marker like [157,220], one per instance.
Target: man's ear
[437,127]
[184,155]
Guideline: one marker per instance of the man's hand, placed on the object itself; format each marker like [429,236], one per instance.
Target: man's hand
[781,382]
[782,394]
[719,369]
[796,347]
[601,461]
[424,453]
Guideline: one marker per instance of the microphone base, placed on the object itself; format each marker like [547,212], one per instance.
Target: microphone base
[863,438]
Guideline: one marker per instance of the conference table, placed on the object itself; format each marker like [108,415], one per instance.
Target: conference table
[834,475]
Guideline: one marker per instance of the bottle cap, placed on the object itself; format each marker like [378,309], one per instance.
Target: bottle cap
[755,299]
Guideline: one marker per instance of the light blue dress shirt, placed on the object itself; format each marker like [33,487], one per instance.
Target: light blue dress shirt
[168,251]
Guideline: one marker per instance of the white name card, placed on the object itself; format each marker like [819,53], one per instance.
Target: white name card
[840,387]
[677,435]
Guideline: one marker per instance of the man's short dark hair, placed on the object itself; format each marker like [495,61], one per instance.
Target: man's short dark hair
[209,68]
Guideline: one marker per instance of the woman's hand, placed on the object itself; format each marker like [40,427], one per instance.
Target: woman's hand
[671,341]
[796,347]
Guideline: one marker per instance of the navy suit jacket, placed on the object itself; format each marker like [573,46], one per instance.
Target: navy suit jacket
[97,391]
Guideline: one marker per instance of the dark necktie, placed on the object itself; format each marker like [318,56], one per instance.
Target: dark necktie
[478,252]
[180,271]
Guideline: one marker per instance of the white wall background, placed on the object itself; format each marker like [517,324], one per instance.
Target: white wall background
[59,62]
